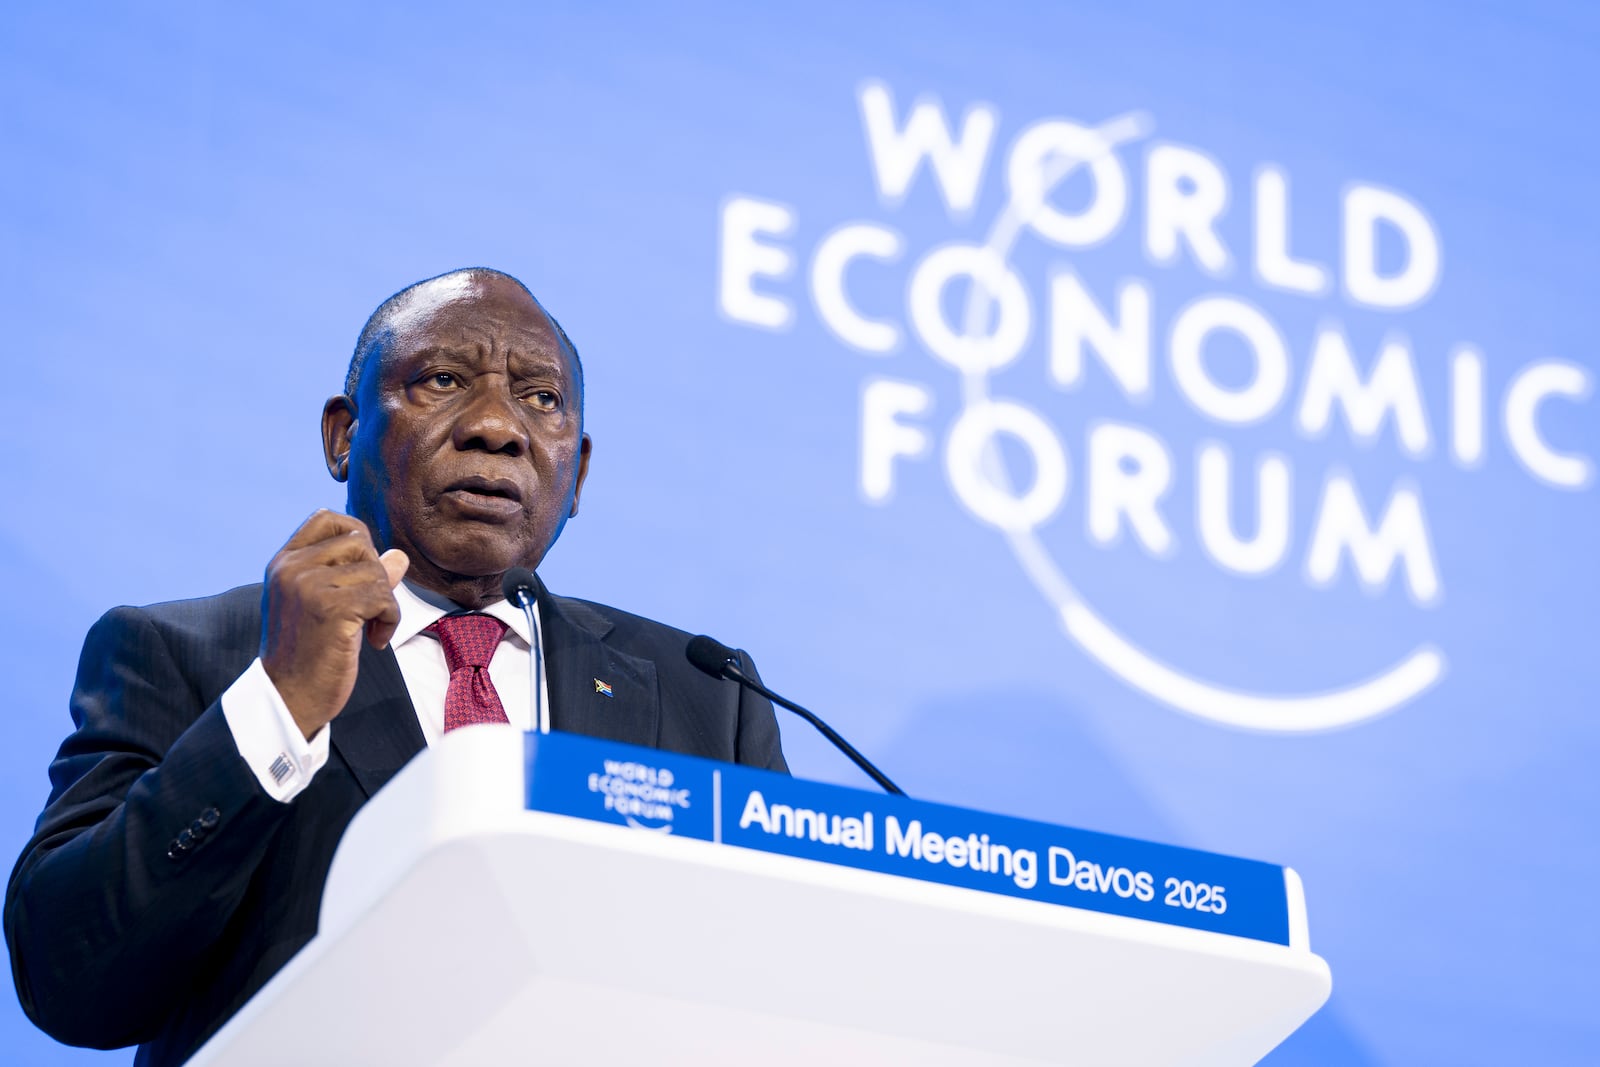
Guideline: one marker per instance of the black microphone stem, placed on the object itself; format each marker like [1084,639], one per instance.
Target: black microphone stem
[731,669]
[541,718]
[518,585]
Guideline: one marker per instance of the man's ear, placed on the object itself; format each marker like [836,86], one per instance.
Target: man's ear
[584,448]
[338,426]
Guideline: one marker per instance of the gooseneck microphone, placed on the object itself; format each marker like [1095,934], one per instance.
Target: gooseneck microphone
[518,587]
[720,661]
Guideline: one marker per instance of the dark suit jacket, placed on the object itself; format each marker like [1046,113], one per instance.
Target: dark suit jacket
[118,936]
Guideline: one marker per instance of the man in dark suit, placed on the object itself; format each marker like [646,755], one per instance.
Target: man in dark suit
[223,745]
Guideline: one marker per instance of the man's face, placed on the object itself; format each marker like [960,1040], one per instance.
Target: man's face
[464,447]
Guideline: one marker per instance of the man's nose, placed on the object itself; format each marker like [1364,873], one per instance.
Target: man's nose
[491,422]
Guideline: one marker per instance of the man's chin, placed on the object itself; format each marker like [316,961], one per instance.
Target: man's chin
[478,555]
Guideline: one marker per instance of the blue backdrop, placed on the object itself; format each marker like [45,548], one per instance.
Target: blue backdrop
[1178,423]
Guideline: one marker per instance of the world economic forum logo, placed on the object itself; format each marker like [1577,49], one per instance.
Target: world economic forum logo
[1129,468]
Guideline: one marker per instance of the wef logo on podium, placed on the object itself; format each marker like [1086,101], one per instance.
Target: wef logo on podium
[644,796]
[972,307]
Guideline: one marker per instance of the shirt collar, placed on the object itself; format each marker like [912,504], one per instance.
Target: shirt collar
[421,608]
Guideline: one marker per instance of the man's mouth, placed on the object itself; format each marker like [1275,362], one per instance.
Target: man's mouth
[491,496]
[504,488]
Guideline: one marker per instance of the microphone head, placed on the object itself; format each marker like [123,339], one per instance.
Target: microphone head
[517,585]
[710,655]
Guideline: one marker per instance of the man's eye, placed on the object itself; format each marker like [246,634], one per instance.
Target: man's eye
[443,379]
[545,399]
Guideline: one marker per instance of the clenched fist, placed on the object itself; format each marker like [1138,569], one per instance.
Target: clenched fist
[325,590]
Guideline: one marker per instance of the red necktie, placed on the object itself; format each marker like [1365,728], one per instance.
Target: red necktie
[469,642]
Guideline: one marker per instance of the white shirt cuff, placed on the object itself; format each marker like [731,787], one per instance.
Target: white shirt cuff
[268,738]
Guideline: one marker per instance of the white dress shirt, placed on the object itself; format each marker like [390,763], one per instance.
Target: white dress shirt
[284,761]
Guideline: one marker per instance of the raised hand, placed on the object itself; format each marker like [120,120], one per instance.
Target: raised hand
[325,590]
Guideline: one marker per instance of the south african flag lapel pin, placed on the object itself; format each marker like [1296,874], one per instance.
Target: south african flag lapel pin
[603,688]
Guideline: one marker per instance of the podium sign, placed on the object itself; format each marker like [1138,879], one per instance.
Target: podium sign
[551,899]
[666,793]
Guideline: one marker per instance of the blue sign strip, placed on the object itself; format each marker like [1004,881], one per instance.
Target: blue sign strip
[666,793]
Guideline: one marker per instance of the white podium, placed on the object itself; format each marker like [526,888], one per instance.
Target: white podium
[459,927]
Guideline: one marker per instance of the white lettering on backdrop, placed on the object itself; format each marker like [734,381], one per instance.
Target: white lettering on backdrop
[967,306]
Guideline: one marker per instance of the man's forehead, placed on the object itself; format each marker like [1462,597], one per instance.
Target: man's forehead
[459,306]
[475,313]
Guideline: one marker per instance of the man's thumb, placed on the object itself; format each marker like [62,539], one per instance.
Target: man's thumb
[396,563]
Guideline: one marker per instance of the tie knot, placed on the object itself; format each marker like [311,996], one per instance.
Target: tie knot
[468,640]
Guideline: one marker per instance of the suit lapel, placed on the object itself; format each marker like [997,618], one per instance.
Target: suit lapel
[377,733]
[580,667]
